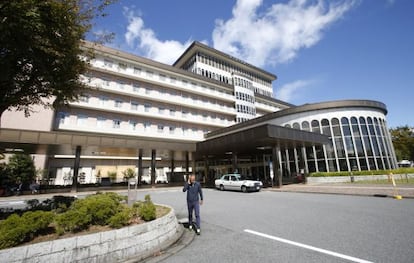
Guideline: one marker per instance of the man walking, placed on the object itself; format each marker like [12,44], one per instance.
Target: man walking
[194,200]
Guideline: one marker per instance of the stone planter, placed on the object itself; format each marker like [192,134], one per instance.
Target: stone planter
[133,242]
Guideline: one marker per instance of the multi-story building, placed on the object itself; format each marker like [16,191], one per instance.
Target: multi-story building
[165,110]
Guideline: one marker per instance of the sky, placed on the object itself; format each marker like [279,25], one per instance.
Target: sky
[320,50]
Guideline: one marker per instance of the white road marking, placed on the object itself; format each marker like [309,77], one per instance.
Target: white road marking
[320,250]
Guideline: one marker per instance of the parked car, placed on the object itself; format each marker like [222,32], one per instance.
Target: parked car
[237,182]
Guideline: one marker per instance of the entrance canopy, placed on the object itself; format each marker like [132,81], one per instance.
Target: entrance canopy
[256,139]
[65,143]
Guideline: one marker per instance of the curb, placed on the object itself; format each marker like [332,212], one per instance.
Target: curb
[352,194]
[186,238]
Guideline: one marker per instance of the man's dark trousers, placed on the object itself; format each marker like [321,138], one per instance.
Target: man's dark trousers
[194,205]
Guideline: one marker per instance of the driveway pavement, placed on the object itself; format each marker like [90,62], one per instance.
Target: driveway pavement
[276,226]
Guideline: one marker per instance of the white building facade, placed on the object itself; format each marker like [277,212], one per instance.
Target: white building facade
[204,91]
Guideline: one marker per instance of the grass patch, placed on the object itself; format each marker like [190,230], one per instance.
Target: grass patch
[387,182]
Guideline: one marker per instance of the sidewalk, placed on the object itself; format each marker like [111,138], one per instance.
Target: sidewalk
[406,191]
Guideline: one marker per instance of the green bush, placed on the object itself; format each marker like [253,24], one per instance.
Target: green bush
[373,172]
[73,220]
[17,229]
[147,210]
[93,210]
[122,218]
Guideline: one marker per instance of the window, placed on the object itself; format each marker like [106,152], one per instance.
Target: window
[147,90]
[82,120]
[147,107]
[135,87]
[134,106]
[133,125]
[100,122]
[315,126]
[305,126]
[63,118]
[103,101]
[106,82]
[118,103]
[122,66]
[116,124]
[296,126]
[108,63]
[147,126]
[172,129]
[137,70]
[84,98]
[173,80]
[161,110]
[160,128]
[150,74]
[162,77]
[172,112]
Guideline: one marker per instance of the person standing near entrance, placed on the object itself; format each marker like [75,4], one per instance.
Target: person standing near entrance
[194,200]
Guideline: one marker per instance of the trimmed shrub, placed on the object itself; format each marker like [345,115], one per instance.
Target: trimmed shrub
[15,229]
[73,220]
[147,210]
[93,210]
[122,218]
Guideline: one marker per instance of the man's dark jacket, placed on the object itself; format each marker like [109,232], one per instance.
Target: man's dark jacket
[193,191]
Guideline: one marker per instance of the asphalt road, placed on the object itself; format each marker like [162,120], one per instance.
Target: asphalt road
[294,227]
[359,229]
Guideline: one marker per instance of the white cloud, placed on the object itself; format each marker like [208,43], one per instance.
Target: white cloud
[276,34]
[290,91]
[145,41]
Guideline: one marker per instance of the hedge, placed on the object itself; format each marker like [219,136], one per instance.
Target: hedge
[373,172]
[17,229]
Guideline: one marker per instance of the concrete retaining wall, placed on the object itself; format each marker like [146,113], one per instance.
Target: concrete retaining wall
[347,179]
[137,242]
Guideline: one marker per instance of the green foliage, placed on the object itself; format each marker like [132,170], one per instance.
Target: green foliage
[373,172]
[128,173]
[403,141]
[73,220]
[112,175]
[41,53]
[15,229]
[59,203]
[93,210]
[121,218]
[147,210]
[21,167]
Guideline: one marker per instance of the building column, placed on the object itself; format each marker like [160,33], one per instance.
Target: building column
[193,163]
[234,162]
[187,162]
[76,168]
[172,166]
[276,160]
[140,171]
[153,166]
[206,172]
[305,163]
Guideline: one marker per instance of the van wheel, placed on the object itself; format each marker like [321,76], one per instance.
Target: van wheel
[222,187]
[244,189]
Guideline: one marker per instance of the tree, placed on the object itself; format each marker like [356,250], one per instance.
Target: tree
[403,141]
[22,168]
[128,174]
[41,56]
